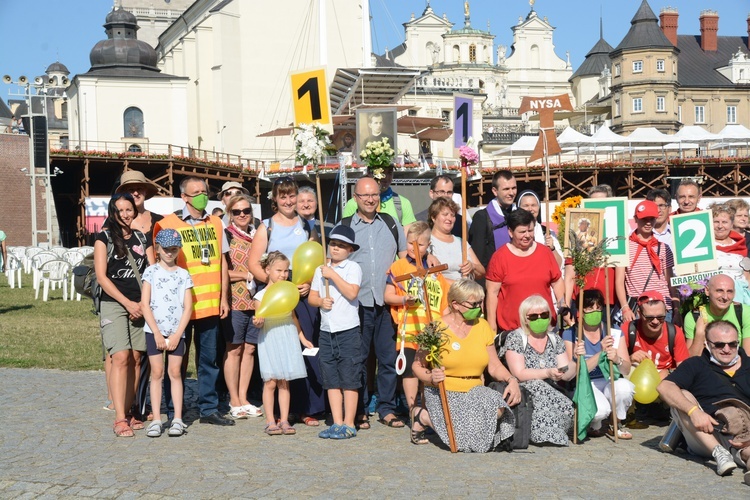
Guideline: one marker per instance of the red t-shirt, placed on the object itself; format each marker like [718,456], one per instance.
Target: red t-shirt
[659,348]
[521,277]
[596,280]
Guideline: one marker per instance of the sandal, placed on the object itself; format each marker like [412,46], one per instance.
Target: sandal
[417,437]
[154,429]
[310,421]
[178,428]
[624,434]
[237,412]
[287,429]
[362,423]
[122,429]
[273,430]
[391,422]
[134,423]
[109,406]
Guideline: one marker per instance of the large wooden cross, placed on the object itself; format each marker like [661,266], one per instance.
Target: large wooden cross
[422,273]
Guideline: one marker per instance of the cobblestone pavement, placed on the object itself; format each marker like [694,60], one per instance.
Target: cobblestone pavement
[57,442]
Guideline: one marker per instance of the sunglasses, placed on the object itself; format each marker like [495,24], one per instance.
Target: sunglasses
[246,211]
[282,180]
[232,193]
[722,345]
[536,316]
[471,305]
[657,318]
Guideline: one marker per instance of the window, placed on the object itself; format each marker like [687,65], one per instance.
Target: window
[446,114]
[679,114]
[660,65]
[700,114]
[660,104]
[637,66]
[731,114]
[134,148]
[617,107]
[472,53]
[617,70]
[637,104]
[133,122]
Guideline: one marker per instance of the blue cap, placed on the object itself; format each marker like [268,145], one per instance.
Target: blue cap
[168,238]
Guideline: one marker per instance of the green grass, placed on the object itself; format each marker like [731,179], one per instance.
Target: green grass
[54,334]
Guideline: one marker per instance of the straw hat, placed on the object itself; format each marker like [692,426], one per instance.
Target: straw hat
[232,185]
[133,178]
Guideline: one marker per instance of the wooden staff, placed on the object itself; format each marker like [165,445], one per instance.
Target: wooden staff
[422,273]
[611,365]
[578,362]
[464,230]
[322,227]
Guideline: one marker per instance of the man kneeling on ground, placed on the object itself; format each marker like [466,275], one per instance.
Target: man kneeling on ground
[709,388]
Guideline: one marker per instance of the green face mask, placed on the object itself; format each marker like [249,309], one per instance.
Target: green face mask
[472,314]
[200,202]
[593,318]
[539,325]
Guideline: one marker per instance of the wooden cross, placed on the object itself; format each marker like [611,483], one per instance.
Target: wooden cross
[422,273]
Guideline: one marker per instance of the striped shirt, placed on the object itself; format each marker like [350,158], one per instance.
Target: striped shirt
[637,273]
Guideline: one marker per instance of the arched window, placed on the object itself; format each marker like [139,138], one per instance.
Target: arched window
[133,122]
[535,63]
[134,148]
[472,53]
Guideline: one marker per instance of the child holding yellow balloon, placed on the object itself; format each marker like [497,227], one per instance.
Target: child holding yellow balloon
[279,353]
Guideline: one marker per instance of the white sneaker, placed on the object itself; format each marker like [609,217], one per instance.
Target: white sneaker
[724,461]
[237,412]
[252,410]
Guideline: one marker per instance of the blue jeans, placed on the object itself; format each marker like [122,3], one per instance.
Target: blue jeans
[377,329]
[207,337]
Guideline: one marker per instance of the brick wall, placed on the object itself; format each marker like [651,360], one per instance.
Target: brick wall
[15,192]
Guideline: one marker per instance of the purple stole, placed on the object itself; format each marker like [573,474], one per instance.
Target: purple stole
[499,227]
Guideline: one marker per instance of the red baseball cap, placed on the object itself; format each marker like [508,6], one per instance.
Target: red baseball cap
[649,296]
[646,209]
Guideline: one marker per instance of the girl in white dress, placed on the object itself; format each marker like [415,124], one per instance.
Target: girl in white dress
[279,352]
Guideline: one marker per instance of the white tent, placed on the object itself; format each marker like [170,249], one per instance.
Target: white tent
[571,137]
[605,136]
[694,133]
[525,144]
[648,136]
[738,133]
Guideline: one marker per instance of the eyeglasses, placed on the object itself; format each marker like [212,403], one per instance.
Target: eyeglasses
[662,206]
[471,305]
[722,345]
[444,193]
[536,316]
[651,318]
[367,196]
[245,211]
[232,193]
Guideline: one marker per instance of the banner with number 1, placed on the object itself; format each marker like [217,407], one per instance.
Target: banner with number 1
[310,98]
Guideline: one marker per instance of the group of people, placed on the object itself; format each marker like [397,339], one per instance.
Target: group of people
[387,276]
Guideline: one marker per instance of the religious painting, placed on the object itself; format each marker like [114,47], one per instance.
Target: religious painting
[585,228]
[374,124]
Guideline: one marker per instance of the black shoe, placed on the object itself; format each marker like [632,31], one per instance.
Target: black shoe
[216,419]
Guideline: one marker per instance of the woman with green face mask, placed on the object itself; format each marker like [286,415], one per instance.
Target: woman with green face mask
[596,341]
[481,416]
[537,356]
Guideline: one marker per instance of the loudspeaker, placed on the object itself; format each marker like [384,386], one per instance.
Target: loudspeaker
[7,79]
[22,79]
[39,80]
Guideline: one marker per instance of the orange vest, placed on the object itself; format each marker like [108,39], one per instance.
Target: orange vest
[416,316]
[206,278]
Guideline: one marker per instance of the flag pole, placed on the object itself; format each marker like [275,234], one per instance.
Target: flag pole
[578,364]
[611,365]
[322,226]
[464,231]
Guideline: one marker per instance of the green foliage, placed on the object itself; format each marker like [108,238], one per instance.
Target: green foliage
[586,259]
[432,340]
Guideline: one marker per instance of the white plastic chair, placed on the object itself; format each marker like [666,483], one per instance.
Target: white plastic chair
[36,263]
[84,250]
[59,251]
[30,253]
[54,272]
[73,258]
[13,270]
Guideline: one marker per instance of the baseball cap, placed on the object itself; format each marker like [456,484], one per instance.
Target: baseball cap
[168,238]
[646,209]
[651,295]
[345,234]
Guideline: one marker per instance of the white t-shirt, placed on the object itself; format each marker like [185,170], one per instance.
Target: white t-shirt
[167,297]
[344,315]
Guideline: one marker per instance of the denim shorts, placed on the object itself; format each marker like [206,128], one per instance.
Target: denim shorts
[152,350]
[340,359]
[238,328]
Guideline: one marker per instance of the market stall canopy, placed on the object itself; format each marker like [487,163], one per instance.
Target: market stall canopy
[571,137]
[695,133]
[648,136]
[354,87]
[433,134]
[277,132]
[734,133]
[525,144]
[605,136]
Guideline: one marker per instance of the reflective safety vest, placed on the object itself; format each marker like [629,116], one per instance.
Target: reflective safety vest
[208,234]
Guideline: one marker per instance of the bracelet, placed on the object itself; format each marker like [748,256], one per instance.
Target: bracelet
[692,410]
[512,377]
[619,363]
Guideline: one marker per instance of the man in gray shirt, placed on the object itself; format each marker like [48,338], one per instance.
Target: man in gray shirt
[376,235]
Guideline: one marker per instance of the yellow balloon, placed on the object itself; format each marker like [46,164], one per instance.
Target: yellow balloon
[645,378]
[308,257]
[279,300]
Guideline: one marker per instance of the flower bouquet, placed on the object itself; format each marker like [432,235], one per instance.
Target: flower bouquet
[378,155]
[692,296]
[432,340]
[558,217]
[311,142]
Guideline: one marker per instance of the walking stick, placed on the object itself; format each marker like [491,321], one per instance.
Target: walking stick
[322,227]
[578,364]
[422,273]
[611,365]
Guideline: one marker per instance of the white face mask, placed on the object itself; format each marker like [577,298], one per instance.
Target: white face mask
[719,363]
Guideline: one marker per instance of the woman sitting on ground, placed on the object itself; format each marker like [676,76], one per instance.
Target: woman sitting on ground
[595,340]
[481,416]
[536,356]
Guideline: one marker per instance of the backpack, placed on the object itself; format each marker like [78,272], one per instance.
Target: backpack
[397,206]
[387,218]
[737,314]
[671,333]
[522,411]
[269,228]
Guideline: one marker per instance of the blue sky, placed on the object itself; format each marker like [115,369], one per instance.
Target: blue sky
[38,33]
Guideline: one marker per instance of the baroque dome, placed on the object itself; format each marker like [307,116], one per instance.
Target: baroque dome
[122,49]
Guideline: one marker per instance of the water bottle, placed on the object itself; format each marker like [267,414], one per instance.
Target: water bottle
[668,443]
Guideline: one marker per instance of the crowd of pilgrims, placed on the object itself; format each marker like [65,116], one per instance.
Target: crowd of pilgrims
[508,303]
